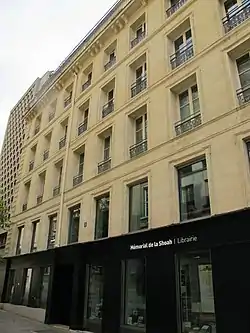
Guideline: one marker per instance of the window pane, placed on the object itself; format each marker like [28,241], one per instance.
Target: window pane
[95,292]
[245,78]
[194,194]
[178,43]
[243,63]
[134,293]
[74,225]
[196,293]
[102,217]
[44,286]
[27,284]
[138,207]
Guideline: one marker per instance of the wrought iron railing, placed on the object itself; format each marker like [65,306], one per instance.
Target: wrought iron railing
[109,64]
[137,39]
[243,94]
[188,124]
[77,179]
[31,165]
[67,101]
[181,56]
[171,10]
[83,126]
[45,154]
[62,142]
[104,165]
[108,108]
[236,17]
[138,148]
[56,191]
[139,85]
[39,199]
[86,85]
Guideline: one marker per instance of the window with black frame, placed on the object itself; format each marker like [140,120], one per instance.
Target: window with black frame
[138,206]
[134,293]
[74,221]
[52,231]
[95,292]
[195,292]
[102,217]
[193,190]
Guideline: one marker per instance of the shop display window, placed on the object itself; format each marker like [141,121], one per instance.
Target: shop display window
[95,292]
[195,289]
[134,295]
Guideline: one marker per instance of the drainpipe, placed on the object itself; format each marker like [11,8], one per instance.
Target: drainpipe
[65,164]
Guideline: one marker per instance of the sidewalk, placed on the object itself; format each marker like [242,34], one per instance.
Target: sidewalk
[12,323]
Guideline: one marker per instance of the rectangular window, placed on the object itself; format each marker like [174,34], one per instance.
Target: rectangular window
[243,66]
[102,217]
[193,190]
[189,102]
[183,41]
[138,206]
[195,289]
[141,128]
[19,240]
[134,296]
[81,163]
[95,292]
[52,231]
[106,148]
[74,224]
[26,285]
[33,246]
[45,276]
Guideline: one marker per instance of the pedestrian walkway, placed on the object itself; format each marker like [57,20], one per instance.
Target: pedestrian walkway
[12,323]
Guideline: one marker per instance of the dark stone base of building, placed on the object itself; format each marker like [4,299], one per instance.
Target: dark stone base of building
[185,277]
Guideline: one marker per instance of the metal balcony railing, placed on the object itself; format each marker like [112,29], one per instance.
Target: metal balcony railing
[56,191]
[108,108]
[109,64]
[171,10]
[236,17]
[83,127]
[39,199]
[137,39]
[188,124]
[31,165]
[139,85]
[104,165]
[181,56]
[62,142]
[51,115]
[45,154]
[67,101]
[138,148]
[24,208]
[77,180]
[37,129]
[243,95]
[86,85]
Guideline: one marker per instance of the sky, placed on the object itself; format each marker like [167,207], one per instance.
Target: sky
[36,36]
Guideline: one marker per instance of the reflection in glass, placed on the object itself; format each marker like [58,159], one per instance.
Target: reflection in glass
[196,293]
[102,217]
[45,272]
[95,292]
[134,293]
[193,191]
[27,283]
[138,206]
[74,224]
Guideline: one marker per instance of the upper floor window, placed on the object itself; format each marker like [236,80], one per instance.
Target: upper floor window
[107,96]
[87,77]
[102,217]
[19,244]
[140,129]
[74,221]
[183,47]
[236,12]
[110,56]
[52,231]
[193,190]
[138,31]
[3,238]
[174,5]
[189,107]
[134,296]
[105,164]
[138,206]
[68,96]
[83,116]
[243,66]
[140,76]
[79,177]
[33,246]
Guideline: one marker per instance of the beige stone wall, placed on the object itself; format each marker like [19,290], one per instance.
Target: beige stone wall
[220,137]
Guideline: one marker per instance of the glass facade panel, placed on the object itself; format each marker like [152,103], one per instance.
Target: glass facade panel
[52,231]
[196,293]
[45,276]
[95,292]
[102,217]
[138,206]
[74,224]
[134,307]
[193,191]
[27,284]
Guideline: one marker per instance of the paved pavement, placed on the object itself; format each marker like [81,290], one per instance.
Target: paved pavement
[12,323]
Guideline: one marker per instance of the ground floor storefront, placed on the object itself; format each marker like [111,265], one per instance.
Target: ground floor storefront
[189,277]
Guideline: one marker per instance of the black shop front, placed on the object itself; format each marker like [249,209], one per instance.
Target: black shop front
[188,277]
